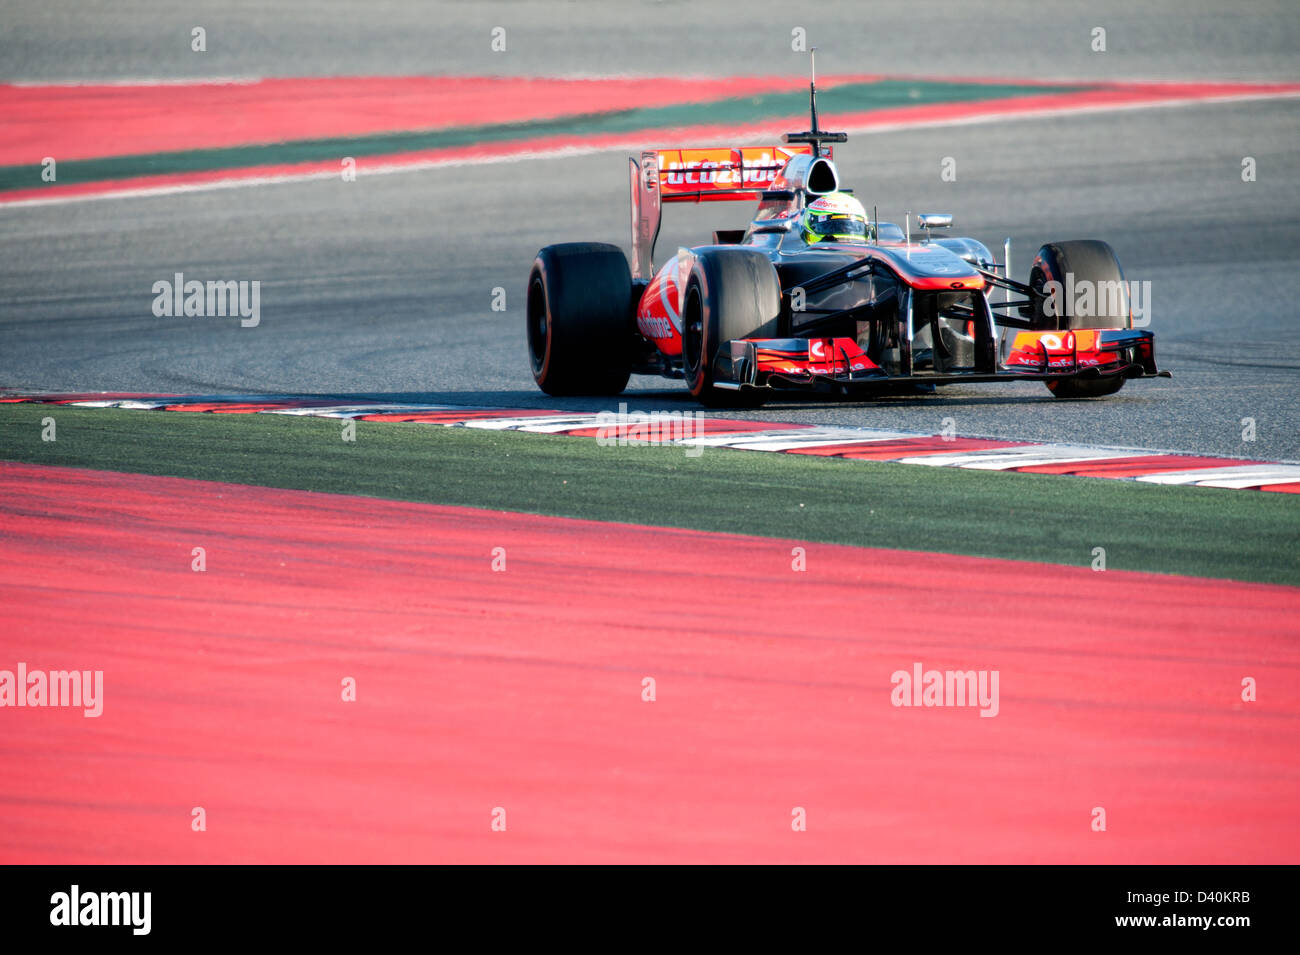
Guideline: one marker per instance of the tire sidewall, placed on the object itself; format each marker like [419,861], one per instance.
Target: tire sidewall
[699,374]
[538,288]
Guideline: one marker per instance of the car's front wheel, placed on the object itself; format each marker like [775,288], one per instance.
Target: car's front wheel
[1079,264]
[731,294]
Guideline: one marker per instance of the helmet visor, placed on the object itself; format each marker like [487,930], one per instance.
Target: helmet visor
[837,226]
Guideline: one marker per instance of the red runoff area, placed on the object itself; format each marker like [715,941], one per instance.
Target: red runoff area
[83,122]
[92,121]
[80,122]
[523,690]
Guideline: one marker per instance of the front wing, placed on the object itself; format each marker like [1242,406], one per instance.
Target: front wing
[840,366]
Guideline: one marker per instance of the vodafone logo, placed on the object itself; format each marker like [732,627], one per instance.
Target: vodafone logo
[1050,341]
[654,327]
[723,167]
[816,349]
[710,172]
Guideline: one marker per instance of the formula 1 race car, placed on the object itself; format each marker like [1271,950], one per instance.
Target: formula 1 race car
[796,303]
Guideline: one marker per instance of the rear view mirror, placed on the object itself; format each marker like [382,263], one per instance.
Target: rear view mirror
[934,220]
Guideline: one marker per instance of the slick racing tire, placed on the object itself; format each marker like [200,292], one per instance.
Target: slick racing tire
[1071,264]
[580,315]
[731,294]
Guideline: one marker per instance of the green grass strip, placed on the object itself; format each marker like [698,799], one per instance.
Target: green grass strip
[1240,535]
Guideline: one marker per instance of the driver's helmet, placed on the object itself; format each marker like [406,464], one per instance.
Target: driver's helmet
[836,217]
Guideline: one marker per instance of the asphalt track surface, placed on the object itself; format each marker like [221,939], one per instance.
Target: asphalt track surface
[523,690]
[68,39]
[384,286]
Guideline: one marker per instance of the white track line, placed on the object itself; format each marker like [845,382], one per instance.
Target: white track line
[1006,459]
[1235,477]
[792,439]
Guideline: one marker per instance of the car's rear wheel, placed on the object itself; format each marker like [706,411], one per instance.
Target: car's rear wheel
[580,315]
[730,294]
[1071,264]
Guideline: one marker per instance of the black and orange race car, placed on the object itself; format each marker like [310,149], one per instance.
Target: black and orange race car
[779,308]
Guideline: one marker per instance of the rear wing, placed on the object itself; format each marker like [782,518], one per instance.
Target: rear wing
[705,174]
